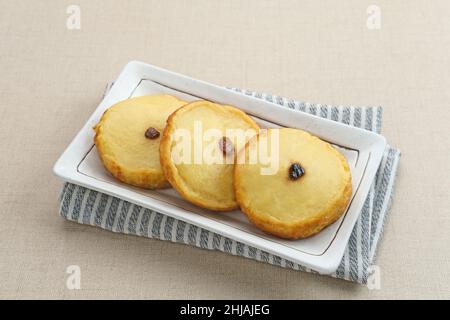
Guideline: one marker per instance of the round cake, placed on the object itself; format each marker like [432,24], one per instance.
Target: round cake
[202,171]
[127,139]
[310,189]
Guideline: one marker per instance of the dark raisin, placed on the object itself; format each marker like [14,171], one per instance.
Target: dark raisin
[151,133]
[226,146]
[296,171]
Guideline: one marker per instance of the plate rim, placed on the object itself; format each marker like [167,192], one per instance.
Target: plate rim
[326,263]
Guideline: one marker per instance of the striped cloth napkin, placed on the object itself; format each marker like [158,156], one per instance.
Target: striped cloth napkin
[93,208]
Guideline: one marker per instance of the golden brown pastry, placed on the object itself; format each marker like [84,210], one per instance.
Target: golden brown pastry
[127,139]
[202,181]
[310,190]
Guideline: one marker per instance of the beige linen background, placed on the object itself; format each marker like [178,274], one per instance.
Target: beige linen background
[319,51]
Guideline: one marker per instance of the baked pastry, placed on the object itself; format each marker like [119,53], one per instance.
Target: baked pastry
[310,190]
[127,139]
[213,133]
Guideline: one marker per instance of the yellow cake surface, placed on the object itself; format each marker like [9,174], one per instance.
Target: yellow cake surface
[122,144]
[287,207]
[206,184]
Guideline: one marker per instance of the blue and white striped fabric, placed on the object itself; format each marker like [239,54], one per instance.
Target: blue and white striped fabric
[93,208]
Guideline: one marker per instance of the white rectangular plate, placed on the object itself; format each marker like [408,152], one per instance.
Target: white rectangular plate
[323,252]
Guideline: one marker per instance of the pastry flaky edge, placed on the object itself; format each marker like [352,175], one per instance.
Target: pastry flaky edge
[143,178]
[171,171]
[300,229]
